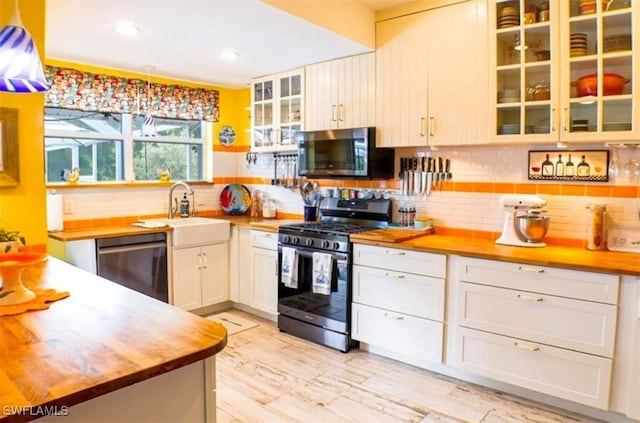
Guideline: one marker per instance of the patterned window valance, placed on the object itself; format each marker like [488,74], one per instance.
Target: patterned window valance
[74,89]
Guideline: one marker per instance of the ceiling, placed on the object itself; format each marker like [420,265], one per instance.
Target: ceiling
[183,39]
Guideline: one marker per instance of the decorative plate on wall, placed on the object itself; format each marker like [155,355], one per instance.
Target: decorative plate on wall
[235,199]
[227,135]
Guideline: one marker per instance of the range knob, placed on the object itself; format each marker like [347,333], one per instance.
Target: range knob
[309,242]
[294,240]
[325,244]
[336,245]
[286,239]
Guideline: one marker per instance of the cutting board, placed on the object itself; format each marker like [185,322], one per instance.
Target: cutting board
[391,234]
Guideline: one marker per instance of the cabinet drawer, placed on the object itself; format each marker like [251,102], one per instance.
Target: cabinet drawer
[590,286]
[412,336]
[262,239]
[575,324]
[420,263]
[420,296]
[571,375]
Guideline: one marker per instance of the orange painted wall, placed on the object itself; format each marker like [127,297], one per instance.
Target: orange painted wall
[22,208]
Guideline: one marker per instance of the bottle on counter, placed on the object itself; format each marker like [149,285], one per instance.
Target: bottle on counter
[583,168]
[596,226]
[547,167]
[184,206]
[256,203]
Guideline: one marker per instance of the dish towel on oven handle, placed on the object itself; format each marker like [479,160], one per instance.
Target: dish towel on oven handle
[322,266]
[289,270]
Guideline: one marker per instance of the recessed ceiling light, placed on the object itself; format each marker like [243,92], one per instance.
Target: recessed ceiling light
[229,55]
[126,29]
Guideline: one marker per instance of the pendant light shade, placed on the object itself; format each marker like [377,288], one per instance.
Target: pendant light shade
[20,66]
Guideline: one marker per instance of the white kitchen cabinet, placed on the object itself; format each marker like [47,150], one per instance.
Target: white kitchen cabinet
[200,276]
[277,111]
[81,253]
[625,391]
[431,81]
[573,324]
[257,271]
[398,302]
[535,67]
[341,93]
[546,329]
[563,373]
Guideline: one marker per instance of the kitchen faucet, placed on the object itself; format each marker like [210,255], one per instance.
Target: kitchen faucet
[173,187]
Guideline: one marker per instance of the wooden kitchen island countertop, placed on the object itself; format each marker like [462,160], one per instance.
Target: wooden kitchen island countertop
[102,338]
[555,256]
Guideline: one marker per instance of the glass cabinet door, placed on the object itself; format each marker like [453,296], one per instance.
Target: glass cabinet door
[262,115]
[526,83]
[290,108]
[564,70]
[600,67]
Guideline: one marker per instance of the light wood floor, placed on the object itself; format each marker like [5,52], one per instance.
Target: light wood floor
[267,376]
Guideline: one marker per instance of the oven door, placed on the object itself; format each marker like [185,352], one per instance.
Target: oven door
[328,311]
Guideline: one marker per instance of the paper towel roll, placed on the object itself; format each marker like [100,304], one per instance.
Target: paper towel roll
[54,212]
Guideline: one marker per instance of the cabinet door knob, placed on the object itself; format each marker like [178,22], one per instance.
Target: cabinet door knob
[526,347]
[530,269]
[529,298]
[432,126]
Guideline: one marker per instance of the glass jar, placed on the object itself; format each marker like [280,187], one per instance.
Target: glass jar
[596,226]
[543,12]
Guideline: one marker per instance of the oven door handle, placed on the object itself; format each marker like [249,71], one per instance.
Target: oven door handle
[305,252]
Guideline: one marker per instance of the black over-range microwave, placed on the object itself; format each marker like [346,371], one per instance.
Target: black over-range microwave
[343,153]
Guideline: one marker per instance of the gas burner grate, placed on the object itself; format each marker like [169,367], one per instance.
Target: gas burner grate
[328,227]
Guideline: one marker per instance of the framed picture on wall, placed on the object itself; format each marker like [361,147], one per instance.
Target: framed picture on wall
[569,165]
[9,159]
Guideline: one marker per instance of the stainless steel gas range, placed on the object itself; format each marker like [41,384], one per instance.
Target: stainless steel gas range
[314,270]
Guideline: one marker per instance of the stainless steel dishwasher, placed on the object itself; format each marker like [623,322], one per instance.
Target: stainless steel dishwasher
[138,262]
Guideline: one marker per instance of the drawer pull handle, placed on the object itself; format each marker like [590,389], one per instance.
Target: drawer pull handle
[394,276]
[393,316]
[530,269]
[526,347]
[395,253]
[528,298]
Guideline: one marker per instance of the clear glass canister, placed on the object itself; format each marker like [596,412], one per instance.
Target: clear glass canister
[596,226]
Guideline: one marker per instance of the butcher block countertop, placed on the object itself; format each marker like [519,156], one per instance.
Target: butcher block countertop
[101,338]
[555,256]
[104,232]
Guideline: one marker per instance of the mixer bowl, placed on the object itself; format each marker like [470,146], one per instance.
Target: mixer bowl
[532,227]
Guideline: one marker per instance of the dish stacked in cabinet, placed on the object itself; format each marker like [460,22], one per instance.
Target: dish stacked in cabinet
[398,302]
[542,328]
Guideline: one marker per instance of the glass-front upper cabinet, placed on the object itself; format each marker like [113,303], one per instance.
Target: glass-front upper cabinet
[277,108]
[563,70]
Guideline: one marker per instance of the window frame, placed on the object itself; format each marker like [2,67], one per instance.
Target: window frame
[128,138]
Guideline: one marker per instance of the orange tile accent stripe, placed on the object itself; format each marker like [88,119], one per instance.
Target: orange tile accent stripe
[488,235]
[231,148]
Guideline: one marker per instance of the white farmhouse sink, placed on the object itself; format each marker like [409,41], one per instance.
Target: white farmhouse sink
[196,230]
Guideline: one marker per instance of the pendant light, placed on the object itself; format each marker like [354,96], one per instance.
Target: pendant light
[20,66]
[149,125]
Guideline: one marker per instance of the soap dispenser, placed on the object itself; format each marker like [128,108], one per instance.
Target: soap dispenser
[184,206]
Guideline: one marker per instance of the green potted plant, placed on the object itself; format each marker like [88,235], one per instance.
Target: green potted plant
[10,241]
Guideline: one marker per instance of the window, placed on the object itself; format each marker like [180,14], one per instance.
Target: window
[109,147]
